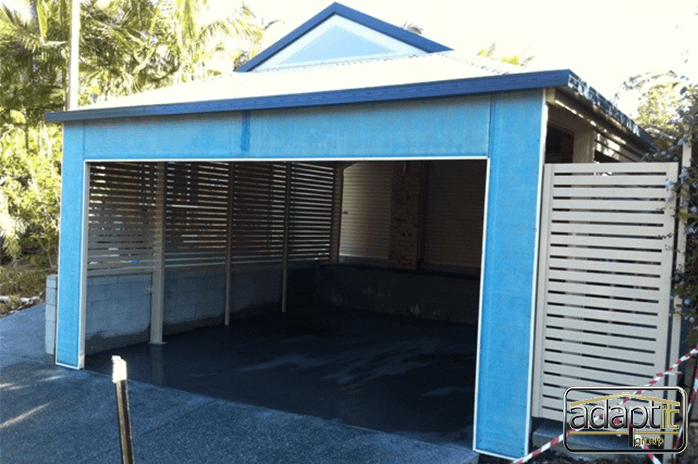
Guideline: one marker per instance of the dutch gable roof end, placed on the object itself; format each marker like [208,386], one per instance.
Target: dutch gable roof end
[340,33]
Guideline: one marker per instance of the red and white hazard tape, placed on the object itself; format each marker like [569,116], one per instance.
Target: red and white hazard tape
[688,411]
[556,441]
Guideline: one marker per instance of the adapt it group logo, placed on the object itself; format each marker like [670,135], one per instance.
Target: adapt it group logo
[647,421]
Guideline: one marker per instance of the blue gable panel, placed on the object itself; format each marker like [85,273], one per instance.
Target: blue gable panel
[506,321]
[353,15]
[68,332]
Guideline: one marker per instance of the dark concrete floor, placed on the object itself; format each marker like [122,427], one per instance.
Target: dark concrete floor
[410,377]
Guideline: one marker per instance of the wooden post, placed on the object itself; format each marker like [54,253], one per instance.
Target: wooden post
[287,226]
[229,243]
[122,409]
[336,231]
[158,285]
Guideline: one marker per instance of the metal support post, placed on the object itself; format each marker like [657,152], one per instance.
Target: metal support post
[122,409]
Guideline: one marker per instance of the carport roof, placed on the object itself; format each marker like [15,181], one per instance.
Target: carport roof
[277,89]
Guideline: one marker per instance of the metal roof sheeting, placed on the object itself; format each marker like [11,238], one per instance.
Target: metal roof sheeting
[362,74]
[431,75]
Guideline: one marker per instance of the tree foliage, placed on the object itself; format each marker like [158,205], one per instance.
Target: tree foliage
[126,46]
[516,59]
[668,110]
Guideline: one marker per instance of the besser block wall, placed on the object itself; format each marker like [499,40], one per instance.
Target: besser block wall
[118,307]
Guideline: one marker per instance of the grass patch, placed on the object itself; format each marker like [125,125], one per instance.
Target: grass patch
[21,280]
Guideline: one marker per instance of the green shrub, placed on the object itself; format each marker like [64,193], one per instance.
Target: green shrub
[20,282]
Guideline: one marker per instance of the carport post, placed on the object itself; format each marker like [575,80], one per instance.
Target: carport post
[287,224]
[158,285]
[229,243]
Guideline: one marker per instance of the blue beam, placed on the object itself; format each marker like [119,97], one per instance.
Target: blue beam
[439,127]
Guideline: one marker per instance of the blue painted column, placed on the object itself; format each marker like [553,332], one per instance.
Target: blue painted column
[507,299]
[70,330]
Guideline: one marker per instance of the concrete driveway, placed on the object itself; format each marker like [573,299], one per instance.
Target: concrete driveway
[50,414]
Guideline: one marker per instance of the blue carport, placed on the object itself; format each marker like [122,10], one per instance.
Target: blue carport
[286,121]
[509,258]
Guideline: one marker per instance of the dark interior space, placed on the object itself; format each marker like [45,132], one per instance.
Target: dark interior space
[559,146]
[402,375]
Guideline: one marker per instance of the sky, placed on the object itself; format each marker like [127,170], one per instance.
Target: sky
[604,41]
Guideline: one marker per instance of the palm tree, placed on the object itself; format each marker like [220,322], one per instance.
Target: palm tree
[32,68]
[125,46]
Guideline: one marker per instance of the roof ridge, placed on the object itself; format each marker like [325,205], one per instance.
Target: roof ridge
[343,63]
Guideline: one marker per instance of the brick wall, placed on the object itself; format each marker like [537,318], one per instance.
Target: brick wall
[405,217]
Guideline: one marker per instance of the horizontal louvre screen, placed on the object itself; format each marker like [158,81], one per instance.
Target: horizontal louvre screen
[312,190]
[120,218]
[196,214]
[258,212]
[365,228]
[454,213]
[197,199]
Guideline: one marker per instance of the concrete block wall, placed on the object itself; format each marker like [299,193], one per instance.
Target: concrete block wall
[51,306]
[257,291]
[117,311]
[197,298]
[118,307]
[407,293]
[193,299]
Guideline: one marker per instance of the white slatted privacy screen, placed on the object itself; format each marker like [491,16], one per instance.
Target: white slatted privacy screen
[366,210]
[197,204]
[455,209]
[604,278]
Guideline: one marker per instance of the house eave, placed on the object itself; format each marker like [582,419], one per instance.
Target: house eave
[436,89]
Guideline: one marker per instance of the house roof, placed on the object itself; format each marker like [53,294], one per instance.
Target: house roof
[427,70]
